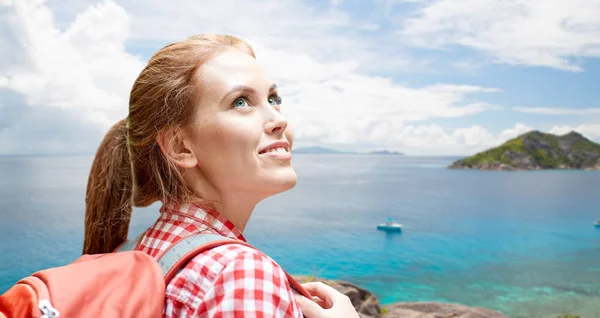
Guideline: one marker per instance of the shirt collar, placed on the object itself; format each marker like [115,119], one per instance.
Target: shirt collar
[202,216]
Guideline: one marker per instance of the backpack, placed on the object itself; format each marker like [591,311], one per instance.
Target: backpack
[125,283]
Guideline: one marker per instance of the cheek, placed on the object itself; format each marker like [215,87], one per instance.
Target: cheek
[233,137]
[289,134]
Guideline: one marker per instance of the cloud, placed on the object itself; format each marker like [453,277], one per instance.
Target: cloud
[589,131]
[27,130]
[83,70]
[517,130]
[83,73]
[466,141]
[331,95]
[558,111]
[467,66]
[414,139]
[73,83]
[33,134]
[331,103]
[370,27]
[463,141]
[549,33]
[327,33]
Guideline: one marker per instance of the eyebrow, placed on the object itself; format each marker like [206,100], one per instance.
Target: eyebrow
[246,89]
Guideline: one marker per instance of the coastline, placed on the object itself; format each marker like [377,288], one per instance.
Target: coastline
[369,306]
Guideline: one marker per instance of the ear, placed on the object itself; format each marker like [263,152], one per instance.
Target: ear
[176,148]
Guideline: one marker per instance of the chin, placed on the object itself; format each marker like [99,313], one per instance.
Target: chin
[281,181]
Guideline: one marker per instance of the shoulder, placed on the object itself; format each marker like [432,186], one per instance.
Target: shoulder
[220,275]
[234,262]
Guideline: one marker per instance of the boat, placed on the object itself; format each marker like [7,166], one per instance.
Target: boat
[390,226]
[597,224]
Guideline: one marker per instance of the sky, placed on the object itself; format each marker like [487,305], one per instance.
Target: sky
[423,77]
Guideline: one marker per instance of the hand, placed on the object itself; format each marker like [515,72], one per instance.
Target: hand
[327,302]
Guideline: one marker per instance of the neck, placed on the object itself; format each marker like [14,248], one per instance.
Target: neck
[237,209]
[235,206]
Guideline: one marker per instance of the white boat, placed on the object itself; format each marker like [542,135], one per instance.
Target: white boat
[390,226]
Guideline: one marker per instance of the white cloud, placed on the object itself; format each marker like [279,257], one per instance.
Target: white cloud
[84,70]
[550,33]
[463,141]
[423,139]
[466,141]
[517,130]
[76,79]
[290,24]
[558,111]
[467,67]
[591,131]
[26,130]
[370,27]
[333,104]
[326,34]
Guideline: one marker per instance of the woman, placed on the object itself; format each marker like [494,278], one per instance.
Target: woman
[205,136]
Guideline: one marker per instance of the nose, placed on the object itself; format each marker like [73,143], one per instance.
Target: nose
[276,122]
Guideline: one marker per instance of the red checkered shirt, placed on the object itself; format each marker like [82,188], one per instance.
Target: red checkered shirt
[227,281]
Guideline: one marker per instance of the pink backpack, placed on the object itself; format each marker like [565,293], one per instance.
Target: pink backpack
[126,283]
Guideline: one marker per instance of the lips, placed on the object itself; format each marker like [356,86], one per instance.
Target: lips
[277,147]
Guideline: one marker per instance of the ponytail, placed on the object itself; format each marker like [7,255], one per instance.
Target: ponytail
[108,203]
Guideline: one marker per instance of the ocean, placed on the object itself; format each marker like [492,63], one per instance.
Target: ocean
[522,243]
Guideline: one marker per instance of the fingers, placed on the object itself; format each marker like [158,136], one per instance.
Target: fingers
[318,288]
[325,292]
[326,302]
[309,308]
[320,302]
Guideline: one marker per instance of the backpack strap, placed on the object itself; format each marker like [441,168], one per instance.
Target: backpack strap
[180,253]
[129,245]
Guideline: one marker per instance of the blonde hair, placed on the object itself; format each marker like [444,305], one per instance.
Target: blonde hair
[129,168]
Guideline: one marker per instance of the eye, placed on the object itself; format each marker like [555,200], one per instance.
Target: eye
[275,100]
[240,102]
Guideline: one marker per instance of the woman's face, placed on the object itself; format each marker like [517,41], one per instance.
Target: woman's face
[239,136]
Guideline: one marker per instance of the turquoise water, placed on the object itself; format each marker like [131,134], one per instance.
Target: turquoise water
[519,242]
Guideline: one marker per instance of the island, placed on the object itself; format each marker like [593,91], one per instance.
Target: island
[385,152]
[536,150]
[316,150]
[320,151]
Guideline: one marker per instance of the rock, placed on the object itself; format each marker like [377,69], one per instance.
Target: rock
[437,310]
[568,141]
[520,160]
[365,303]
[594,167]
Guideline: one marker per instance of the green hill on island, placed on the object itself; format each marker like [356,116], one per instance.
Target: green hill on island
[536,151]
